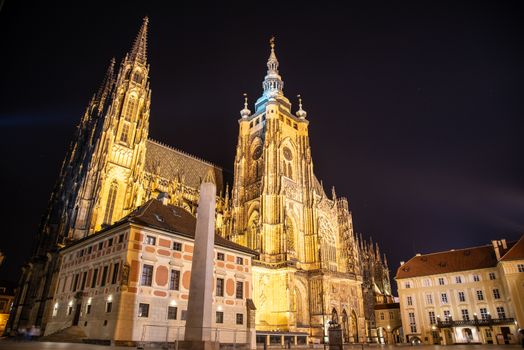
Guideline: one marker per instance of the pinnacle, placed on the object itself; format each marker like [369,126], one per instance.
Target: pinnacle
[139,50]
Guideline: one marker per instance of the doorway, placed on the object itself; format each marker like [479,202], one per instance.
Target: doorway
[505,332]
[77,314]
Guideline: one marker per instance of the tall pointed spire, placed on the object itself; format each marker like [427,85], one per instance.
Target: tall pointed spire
[139,50]
[273,84]
[106,86]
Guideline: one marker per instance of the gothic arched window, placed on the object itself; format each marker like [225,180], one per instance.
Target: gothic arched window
[130,110]
[110,204]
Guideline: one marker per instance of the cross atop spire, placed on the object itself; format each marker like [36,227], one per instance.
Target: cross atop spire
[273,83]
[139,50]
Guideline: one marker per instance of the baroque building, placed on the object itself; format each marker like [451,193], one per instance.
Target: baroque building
[471,295]
[310,267]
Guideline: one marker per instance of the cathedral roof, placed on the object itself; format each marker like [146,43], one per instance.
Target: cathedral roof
[170,163]
[449,261]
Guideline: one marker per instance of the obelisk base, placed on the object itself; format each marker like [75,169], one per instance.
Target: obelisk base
[198,345]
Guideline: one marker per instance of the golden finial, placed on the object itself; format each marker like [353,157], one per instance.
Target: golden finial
[245,100]
[299,101]
[272,42]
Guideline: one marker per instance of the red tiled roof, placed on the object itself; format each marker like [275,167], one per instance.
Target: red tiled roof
[175,219]
[449,261]
[516,252]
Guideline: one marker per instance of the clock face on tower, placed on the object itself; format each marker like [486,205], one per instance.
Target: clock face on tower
[287,154]
[257,152]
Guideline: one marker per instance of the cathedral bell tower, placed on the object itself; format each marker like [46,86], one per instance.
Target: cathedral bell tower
[120,155]
[273,175]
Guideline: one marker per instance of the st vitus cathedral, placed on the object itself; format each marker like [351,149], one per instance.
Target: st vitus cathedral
[311,265]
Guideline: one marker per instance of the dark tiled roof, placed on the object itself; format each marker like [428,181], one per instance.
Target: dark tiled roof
[387,306]
[450,261]
[516,252]
[176,220]
[171,163]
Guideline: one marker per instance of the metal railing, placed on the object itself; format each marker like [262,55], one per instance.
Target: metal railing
[170,336]
[488,322]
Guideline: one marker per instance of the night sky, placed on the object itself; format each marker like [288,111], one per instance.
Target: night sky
[415,109]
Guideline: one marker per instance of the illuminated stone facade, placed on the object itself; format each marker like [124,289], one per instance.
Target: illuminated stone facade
[471,295]
[311,265]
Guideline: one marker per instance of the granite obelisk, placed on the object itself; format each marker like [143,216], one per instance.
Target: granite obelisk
[199,309]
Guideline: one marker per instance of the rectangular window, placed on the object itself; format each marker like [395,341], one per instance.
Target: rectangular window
[147,275]
[441,281]
[240,290]
[476,278]
[407,285]
[465,314]
[382,316]
[220,287]
[458,279]
[114,280]
[391,315]
[483,313]
[427,283]
[240,318]
[110,242]
[520,267]
[500,312]
[462,297]
[100,245]
[412,322]
[429,299]
[480,295]
[84,279]
[492,276]
[172,312]
[143,310]
[109,306]
[447,315]
[75,283]
[240,261]
[410,301]
[95,276]
[177,246]
[219,317]
[88,309]
[104,276]
[69,310]
[496,293]
[432,319]
[444,298]
[174,280]
[221,256]
[150,240]
[121,238]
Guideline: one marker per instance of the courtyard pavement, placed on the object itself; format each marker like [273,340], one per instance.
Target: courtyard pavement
[35,345]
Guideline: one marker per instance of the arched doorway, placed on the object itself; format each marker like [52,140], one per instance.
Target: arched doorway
[345,326]
[353,328]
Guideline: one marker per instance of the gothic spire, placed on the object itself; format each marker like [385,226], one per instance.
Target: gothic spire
[273,83]
[139,50]
[107,84]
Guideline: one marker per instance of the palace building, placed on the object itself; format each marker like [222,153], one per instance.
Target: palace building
[471,295]
[310,267]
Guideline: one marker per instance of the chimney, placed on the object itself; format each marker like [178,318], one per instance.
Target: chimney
[163,197]
[496,248]
[504,244]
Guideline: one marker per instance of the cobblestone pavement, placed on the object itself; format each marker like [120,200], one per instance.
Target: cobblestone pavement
[35,345]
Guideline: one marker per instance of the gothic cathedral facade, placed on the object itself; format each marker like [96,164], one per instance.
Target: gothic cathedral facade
[310,267]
